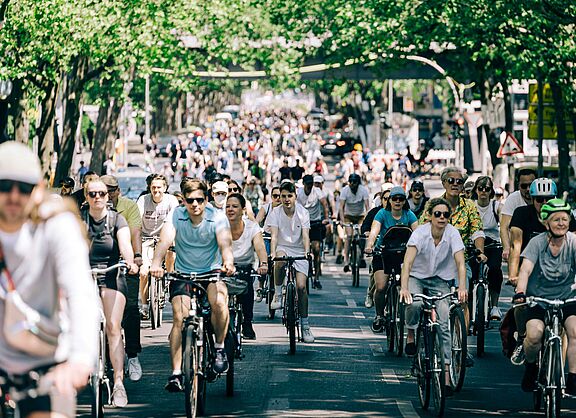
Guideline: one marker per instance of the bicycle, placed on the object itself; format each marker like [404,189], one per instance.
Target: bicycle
[267,288]
[100,380]
[354,253]
[198,352]
[157,290]
[393,247]
[550,381]
[459,346]
[290,314]
[16,388]
[428,365]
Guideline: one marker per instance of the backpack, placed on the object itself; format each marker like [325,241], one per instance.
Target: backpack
[507,330]
[111,218]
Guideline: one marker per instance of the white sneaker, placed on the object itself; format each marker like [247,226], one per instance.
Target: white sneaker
[307,335]
[134,369]
[495,313]
[368,302]
[119,396]
[276,302]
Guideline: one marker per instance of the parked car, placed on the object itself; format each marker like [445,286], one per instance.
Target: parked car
[337,143]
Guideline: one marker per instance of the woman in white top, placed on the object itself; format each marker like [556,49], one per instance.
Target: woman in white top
[434,259]
[489,210]
[246,239]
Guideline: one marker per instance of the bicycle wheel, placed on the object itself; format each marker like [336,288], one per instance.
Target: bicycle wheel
[270,297]
[389,319]
[553,395]
[480,322]
[422,369]
[190,362]
[239,320]
[160,296]
[398,323]
[459,339]
[437,373]
[96,379]
[291,315]
[230,347]
[538,394]
[153,298]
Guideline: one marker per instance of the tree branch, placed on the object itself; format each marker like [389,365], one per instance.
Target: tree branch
[3,8]
[97,71]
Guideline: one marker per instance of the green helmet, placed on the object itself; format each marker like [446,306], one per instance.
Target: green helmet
[553,206]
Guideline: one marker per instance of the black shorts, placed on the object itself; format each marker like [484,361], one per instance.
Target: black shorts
[113,280]
[538,312]
[317,231]
[385,263]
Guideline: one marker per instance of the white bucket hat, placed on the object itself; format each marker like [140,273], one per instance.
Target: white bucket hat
[18,163]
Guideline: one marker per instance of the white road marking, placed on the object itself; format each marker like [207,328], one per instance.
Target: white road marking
[278,404]
[345,292]
[389,376]
[406,409]
[351,303]
[366,330]
[359,315]
[340,283]
[377,350]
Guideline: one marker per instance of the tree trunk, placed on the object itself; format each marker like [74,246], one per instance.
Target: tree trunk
[73,87]
[4,121]
[492,140]
[563,151]
[45,129]
[540,126]
[20,107]
[105,126]
[508,112]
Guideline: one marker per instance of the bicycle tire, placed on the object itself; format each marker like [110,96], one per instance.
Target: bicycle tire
[398,324]
[239,320]
[190,362]
[422,375]
[160,295]
[538,394]
[480,322]
[153,301]
[270,296]
[353,262]
[230,347]
[389,320]
[553,397]
[459,338]
[356,273]
[437,392]
[203,370]
[97,396]
[291,315]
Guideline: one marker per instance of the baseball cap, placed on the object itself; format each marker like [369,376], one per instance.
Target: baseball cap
[68,182]
[220,186]
[318,179]
[18,163]
[109,181]
[307,179]
[417,183]
[397,191]
[387,187]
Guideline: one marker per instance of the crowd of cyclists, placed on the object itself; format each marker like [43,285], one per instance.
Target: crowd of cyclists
[280,209]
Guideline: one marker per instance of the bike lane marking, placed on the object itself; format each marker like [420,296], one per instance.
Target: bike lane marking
[406,409]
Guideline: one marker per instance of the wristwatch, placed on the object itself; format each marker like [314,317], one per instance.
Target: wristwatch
[136,255]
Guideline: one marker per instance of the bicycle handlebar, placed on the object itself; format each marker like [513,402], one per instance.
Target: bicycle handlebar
[432,298]
[209,276]
[121,264]
[556,303]
[287,258]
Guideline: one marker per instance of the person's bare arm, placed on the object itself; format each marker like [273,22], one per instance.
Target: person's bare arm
[525,271]
[273,240]
[260,248]
[461,266]
[224,239]
[516,236]
[306,239]
[167,236]
[125,247]
[505,235]
[374,232]
[409,258]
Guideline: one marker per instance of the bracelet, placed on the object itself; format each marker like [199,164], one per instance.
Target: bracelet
[262,263]
[137,255]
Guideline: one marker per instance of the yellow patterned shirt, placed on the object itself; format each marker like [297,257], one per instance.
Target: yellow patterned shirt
[465,219]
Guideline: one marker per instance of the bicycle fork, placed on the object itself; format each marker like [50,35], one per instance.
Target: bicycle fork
[475,302]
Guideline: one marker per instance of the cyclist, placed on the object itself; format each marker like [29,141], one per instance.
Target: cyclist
[246,240]
[253,193]
[79,195]
[314,200]
[44,263]
[109,237]
[203,242]
[354,203]
[154,207]
[67,186]
[290,229]
[395,213]
[131,321]
[515,200]
[548,269]
[489,210]
[219,194]
[417,199]
[365,231]
[319,183]
[234,187]
[434,259]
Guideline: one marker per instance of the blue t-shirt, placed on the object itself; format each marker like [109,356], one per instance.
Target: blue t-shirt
[387,221]
[196,246]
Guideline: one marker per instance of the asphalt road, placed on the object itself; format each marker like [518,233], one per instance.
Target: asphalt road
[347,372]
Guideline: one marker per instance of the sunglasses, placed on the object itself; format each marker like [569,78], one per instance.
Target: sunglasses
[198,200]
[275,196]
[100,193]
[417,189]
[398,199]
[112,189]
[440,214]
[385,197]
[540,199]
[234,190]
[484,188]
[452,180]
[6,186]
[524,186]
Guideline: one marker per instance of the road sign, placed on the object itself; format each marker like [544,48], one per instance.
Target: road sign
[533,94]
[510,146]
[550,131]
[548,115]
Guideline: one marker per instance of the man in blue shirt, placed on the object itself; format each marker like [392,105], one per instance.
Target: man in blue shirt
[203,242]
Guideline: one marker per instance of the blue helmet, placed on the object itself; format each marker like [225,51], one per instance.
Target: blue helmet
[543,187]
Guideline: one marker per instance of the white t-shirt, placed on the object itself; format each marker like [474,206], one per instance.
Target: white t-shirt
[311,202]
[489,220]
[290,229]
[153,214]
[354,203]
[242,248]
[435,260]
[513,201]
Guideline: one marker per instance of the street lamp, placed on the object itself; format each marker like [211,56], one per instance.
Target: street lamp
[5,89]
